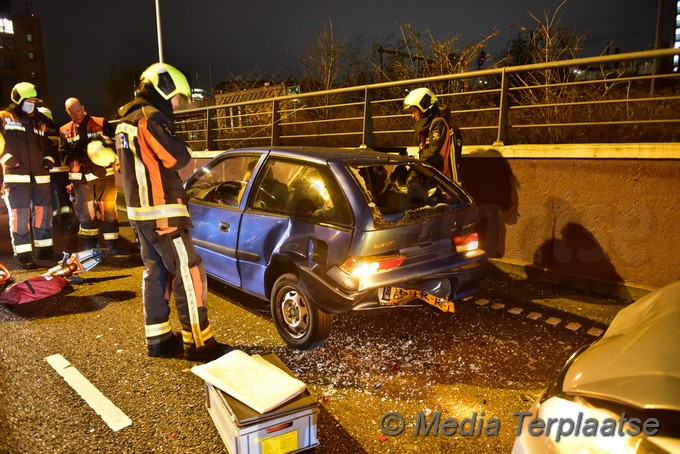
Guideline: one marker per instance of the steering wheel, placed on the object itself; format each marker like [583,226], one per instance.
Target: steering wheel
[275,203]
[225,193]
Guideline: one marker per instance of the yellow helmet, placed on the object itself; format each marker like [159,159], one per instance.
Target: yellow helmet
[422,98]
[47,112]
[100,154]
[167,80]
[23,90]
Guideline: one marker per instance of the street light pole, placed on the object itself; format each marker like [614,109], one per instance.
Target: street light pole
[158,29]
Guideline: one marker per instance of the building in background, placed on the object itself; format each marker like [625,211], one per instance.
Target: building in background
[21,52]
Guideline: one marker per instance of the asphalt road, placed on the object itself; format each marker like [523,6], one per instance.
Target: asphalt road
[492,356]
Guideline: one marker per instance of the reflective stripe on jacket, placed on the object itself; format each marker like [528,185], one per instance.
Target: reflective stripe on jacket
[73,140]
[26,146]
[150,156]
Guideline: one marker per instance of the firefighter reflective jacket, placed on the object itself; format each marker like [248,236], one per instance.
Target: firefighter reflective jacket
[26,150]
[150,156]
[73,140]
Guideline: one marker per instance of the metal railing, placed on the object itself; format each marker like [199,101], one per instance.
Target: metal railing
[615,98]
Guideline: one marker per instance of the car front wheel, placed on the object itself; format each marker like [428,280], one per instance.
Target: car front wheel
[299,322]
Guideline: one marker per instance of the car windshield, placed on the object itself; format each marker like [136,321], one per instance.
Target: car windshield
[406,191]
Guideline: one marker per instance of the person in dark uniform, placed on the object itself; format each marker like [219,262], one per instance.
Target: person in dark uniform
[26,160]
[150,157]
[433,131]
[91,175]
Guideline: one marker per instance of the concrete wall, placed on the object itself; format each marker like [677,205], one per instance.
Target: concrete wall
[604,217]
[609,214]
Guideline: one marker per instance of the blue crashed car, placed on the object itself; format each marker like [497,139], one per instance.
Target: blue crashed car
[323,231]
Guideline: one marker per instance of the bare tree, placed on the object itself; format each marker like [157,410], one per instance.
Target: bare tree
[322,64]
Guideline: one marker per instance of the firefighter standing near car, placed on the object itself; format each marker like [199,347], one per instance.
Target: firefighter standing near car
[62,210]
[150,156]
[85,146]
[25,154]
[433,132]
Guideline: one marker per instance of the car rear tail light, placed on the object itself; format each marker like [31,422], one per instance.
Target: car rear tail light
[466,243]
[363,266]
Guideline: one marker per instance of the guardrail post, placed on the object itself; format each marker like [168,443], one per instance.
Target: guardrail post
[276,124]
[503,111]
[367,138]
[209,130]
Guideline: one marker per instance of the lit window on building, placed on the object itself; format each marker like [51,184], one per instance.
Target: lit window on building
[29,37]
[676,58]
[30,56]
[6,26]
[33,74]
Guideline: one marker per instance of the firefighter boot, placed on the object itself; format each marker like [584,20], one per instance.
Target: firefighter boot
[26,262]
[85,243]
[167,348]
[111,246]
[46,253]
[206,353]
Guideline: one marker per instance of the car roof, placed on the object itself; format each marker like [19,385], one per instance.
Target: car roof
[327,154]
[637,361]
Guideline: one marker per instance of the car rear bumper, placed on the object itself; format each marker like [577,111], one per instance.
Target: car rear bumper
[454,284]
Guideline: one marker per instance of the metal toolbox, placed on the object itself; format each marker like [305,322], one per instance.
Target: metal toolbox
[288,428]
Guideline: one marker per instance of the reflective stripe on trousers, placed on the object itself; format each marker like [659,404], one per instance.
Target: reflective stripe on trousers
[172,265]
[26,203]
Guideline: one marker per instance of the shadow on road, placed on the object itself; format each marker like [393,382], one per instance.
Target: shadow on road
[66,304]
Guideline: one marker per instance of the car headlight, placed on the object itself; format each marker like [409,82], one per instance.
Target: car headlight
[576,427]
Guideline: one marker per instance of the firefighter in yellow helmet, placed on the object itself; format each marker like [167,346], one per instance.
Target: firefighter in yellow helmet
[91,175]
[27,159]
[433,133]
[157,210]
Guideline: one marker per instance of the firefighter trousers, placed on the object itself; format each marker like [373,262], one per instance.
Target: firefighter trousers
[172,266]
[28,202]
[95,207]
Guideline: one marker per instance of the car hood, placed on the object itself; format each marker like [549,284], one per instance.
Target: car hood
[637,361]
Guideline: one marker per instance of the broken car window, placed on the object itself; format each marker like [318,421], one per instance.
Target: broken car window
[401,190]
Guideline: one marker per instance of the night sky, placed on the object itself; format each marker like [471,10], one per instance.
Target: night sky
[211,39]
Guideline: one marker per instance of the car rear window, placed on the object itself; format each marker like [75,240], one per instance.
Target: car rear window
[406,192]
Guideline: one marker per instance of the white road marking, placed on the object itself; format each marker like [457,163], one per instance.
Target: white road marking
[111,414]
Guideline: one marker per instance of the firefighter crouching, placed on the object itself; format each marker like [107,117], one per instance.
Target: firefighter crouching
[26,161]
[85,145]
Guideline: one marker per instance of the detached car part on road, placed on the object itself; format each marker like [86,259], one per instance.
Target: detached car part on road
[619,395]
[322,231]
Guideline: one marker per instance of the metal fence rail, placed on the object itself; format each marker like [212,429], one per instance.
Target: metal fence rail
[616,98]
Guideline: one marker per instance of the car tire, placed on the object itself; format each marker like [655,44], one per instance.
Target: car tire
[297,319]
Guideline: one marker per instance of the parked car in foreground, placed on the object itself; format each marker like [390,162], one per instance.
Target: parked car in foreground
[323,231]
[619,395]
